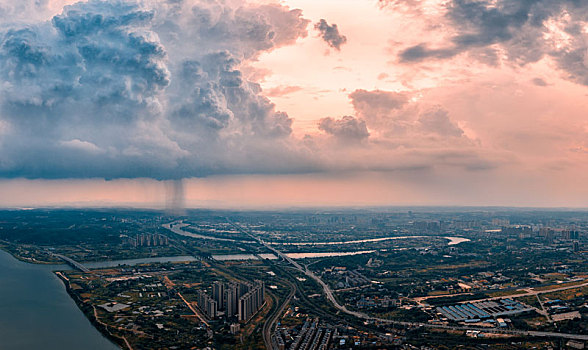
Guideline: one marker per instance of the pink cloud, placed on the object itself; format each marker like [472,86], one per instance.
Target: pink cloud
[280,91]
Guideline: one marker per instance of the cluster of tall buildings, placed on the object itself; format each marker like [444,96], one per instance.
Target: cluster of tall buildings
[150,240]
[242,299]
[550,234]
[546,233]
[250,302]
[208,305]
[570,234]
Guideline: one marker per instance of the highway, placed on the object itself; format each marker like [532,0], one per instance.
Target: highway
[328,291]
[268,326]
[330,296]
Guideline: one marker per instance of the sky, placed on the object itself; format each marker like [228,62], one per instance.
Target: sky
[293,103]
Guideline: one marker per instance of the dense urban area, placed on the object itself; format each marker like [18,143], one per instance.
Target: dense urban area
[405,278]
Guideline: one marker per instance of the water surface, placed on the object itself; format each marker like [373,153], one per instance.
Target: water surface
[37,313]
[452,240]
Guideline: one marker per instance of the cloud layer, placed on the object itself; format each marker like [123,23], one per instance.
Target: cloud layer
[142,89]
[173,89]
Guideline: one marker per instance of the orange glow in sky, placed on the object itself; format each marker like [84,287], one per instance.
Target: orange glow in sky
[400,103]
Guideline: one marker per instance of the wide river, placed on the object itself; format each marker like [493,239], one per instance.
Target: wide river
[37,313]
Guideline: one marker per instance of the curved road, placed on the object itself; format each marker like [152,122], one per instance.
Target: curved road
[271,321]
[333,300]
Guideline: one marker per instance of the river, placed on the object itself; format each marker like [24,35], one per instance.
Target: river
[452,241]
[178,228]
[37,313]
[456,240]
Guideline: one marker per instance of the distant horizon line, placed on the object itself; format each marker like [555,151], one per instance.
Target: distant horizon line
[297,208]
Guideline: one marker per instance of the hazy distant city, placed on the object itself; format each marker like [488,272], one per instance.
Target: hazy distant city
[403,278]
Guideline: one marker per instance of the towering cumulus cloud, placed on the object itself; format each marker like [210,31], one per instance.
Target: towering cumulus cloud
[141,89]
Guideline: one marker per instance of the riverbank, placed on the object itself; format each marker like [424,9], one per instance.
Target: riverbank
[5,246]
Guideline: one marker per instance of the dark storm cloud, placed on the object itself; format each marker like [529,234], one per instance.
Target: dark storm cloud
[575,63]
[480,24]
[520,27]
[330,34]
[127,89]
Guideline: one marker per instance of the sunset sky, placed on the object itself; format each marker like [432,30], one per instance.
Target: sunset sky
[261,104]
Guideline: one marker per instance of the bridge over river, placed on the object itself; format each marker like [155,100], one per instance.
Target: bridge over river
[73,263]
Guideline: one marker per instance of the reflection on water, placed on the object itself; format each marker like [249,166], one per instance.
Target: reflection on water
[227,257]
[456,240]
[452,241]
[268,256]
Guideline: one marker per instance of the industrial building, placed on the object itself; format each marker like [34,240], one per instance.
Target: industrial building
[483,310]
